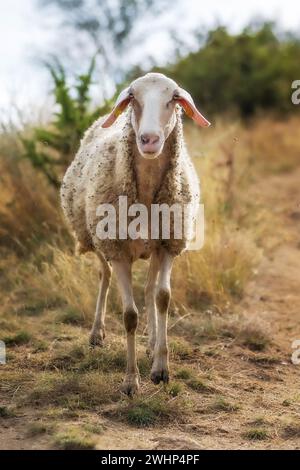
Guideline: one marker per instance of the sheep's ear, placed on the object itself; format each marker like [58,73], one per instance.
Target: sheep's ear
[121,104]
[186,101]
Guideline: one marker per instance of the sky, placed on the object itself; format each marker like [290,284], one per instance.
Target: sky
[26,34]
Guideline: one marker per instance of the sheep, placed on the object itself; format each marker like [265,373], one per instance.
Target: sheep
[137,151]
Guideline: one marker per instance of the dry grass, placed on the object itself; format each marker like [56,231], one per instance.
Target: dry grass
[28,208]
[30,215]
[88,391]
[274,145]
[39,428]
[78,356]
[239,329]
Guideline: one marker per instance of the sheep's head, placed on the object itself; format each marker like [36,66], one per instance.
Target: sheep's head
[153,99]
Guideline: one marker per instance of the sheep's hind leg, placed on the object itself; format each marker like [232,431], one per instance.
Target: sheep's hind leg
[97,334]
[122,271]
[160,367]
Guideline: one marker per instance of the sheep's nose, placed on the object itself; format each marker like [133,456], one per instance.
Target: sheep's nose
[150,139]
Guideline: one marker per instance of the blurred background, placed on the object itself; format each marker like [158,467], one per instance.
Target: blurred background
[62,64]
[188,39]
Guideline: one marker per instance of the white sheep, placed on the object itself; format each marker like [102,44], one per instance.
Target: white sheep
[141,155]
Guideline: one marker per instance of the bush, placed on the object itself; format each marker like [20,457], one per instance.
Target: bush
[52,148]
[257,74]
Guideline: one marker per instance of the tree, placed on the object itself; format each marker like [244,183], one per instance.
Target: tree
[113,28]
[51,148]
[248,72]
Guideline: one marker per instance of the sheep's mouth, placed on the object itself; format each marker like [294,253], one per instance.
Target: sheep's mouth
[150,155]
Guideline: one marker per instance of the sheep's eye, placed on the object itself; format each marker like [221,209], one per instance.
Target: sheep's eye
[176,96]
[171,101]
[131,96]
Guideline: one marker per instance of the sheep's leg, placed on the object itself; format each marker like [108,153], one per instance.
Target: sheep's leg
[98,330]
[160,367]
[150,301]
[122,271]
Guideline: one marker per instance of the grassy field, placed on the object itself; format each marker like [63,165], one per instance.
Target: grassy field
[233,315]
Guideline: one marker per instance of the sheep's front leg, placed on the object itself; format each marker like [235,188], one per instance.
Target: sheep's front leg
[160,367]
[98,331]
[151,302]
[122,271]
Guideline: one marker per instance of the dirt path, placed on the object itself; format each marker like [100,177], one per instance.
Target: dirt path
[265,386]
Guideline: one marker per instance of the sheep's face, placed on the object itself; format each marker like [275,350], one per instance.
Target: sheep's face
[154,98]
[153,112]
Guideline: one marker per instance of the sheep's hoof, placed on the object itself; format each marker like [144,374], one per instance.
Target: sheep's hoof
[97,339]
[158,376]
[131,385]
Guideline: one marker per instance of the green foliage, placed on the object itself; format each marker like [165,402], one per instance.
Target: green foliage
[51,149]
[248,72]
[256,434]
[155,409]
[74,439]
[175,389]
[20,338]
[221,404]
[6,412]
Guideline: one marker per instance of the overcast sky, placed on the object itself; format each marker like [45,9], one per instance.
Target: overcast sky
[25,33]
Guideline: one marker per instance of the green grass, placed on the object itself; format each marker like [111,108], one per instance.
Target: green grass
[192,381]
[256,434]
[199,386]
[221,404]
[74,439]
[154,410]
[286,402]
[143,414]
[38,428]
[180,349]
[20,338]
[6,412]
[70,316]
[175,389]
[144,364]
[94,428]
[183,373]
